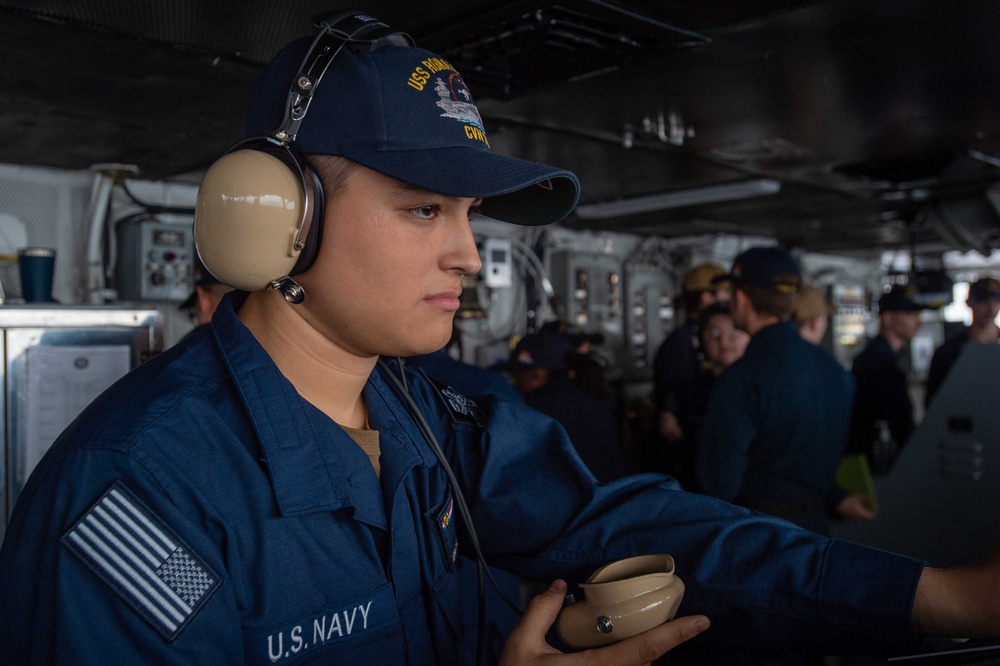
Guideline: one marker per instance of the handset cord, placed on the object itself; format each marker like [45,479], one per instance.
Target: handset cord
[463,509]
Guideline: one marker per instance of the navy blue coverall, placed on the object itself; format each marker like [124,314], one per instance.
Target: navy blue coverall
[777,427]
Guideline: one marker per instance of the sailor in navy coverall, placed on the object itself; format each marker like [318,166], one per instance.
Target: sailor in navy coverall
[883,388]
[261,493]
[776,429]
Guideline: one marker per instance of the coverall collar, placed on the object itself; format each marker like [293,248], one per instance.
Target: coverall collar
[313,464]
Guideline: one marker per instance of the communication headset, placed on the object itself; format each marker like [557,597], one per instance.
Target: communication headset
[259,214]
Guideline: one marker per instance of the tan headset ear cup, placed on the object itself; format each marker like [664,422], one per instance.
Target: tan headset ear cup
[248,212]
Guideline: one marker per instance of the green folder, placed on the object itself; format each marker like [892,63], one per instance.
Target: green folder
[855,476]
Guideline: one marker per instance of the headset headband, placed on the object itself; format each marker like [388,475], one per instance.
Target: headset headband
[360,31]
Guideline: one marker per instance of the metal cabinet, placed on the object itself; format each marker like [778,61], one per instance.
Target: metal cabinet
[56,360]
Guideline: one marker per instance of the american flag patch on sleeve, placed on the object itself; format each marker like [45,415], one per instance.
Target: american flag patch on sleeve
[131,549]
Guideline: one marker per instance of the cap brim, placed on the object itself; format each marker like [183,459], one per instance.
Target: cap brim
[513,190]
[914,307]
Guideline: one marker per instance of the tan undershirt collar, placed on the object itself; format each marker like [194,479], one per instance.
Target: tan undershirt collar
[368,441]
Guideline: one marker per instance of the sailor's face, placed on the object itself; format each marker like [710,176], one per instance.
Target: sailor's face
[724,343]
[984,310]
[905,325]
[388,275]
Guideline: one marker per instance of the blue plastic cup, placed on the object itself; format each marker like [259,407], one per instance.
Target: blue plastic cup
[36,264]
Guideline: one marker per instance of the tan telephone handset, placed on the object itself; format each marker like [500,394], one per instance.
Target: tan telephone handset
[621,599]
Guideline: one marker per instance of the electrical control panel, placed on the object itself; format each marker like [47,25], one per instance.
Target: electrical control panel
[649,316]
[589,288]
[849,320]
[155,260]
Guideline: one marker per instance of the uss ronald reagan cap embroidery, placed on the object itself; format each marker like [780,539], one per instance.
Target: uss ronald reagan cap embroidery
[407,113]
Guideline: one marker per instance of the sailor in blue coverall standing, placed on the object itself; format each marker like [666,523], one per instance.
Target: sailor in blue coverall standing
[265,493]
[777,421]
[883,419]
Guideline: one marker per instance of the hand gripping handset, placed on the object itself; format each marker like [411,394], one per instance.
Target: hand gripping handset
[621,599]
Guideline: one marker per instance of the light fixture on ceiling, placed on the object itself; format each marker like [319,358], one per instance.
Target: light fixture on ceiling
[692,196]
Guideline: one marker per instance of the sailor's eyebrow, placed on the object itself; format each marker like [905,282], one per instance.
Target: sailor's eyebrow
[409,189]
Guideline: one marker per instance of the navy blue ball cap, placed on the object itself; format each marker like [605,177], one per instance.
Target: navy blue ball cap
[574,334]
[984,289]
[407,113]
[901,298]
[713,310]
[540,350]
[767,267]
[202,278]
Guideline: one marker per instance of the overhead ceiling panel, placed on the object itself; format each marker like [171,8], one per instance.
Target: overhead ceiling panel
[869,112]
[522,46]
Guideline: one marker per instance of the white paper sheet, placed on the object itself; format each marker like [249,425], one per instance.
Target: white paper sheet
[61,381]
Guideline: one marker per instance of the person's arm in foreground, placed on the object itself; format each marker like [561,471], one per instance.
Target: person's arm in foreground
[526,644]
[960,601]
